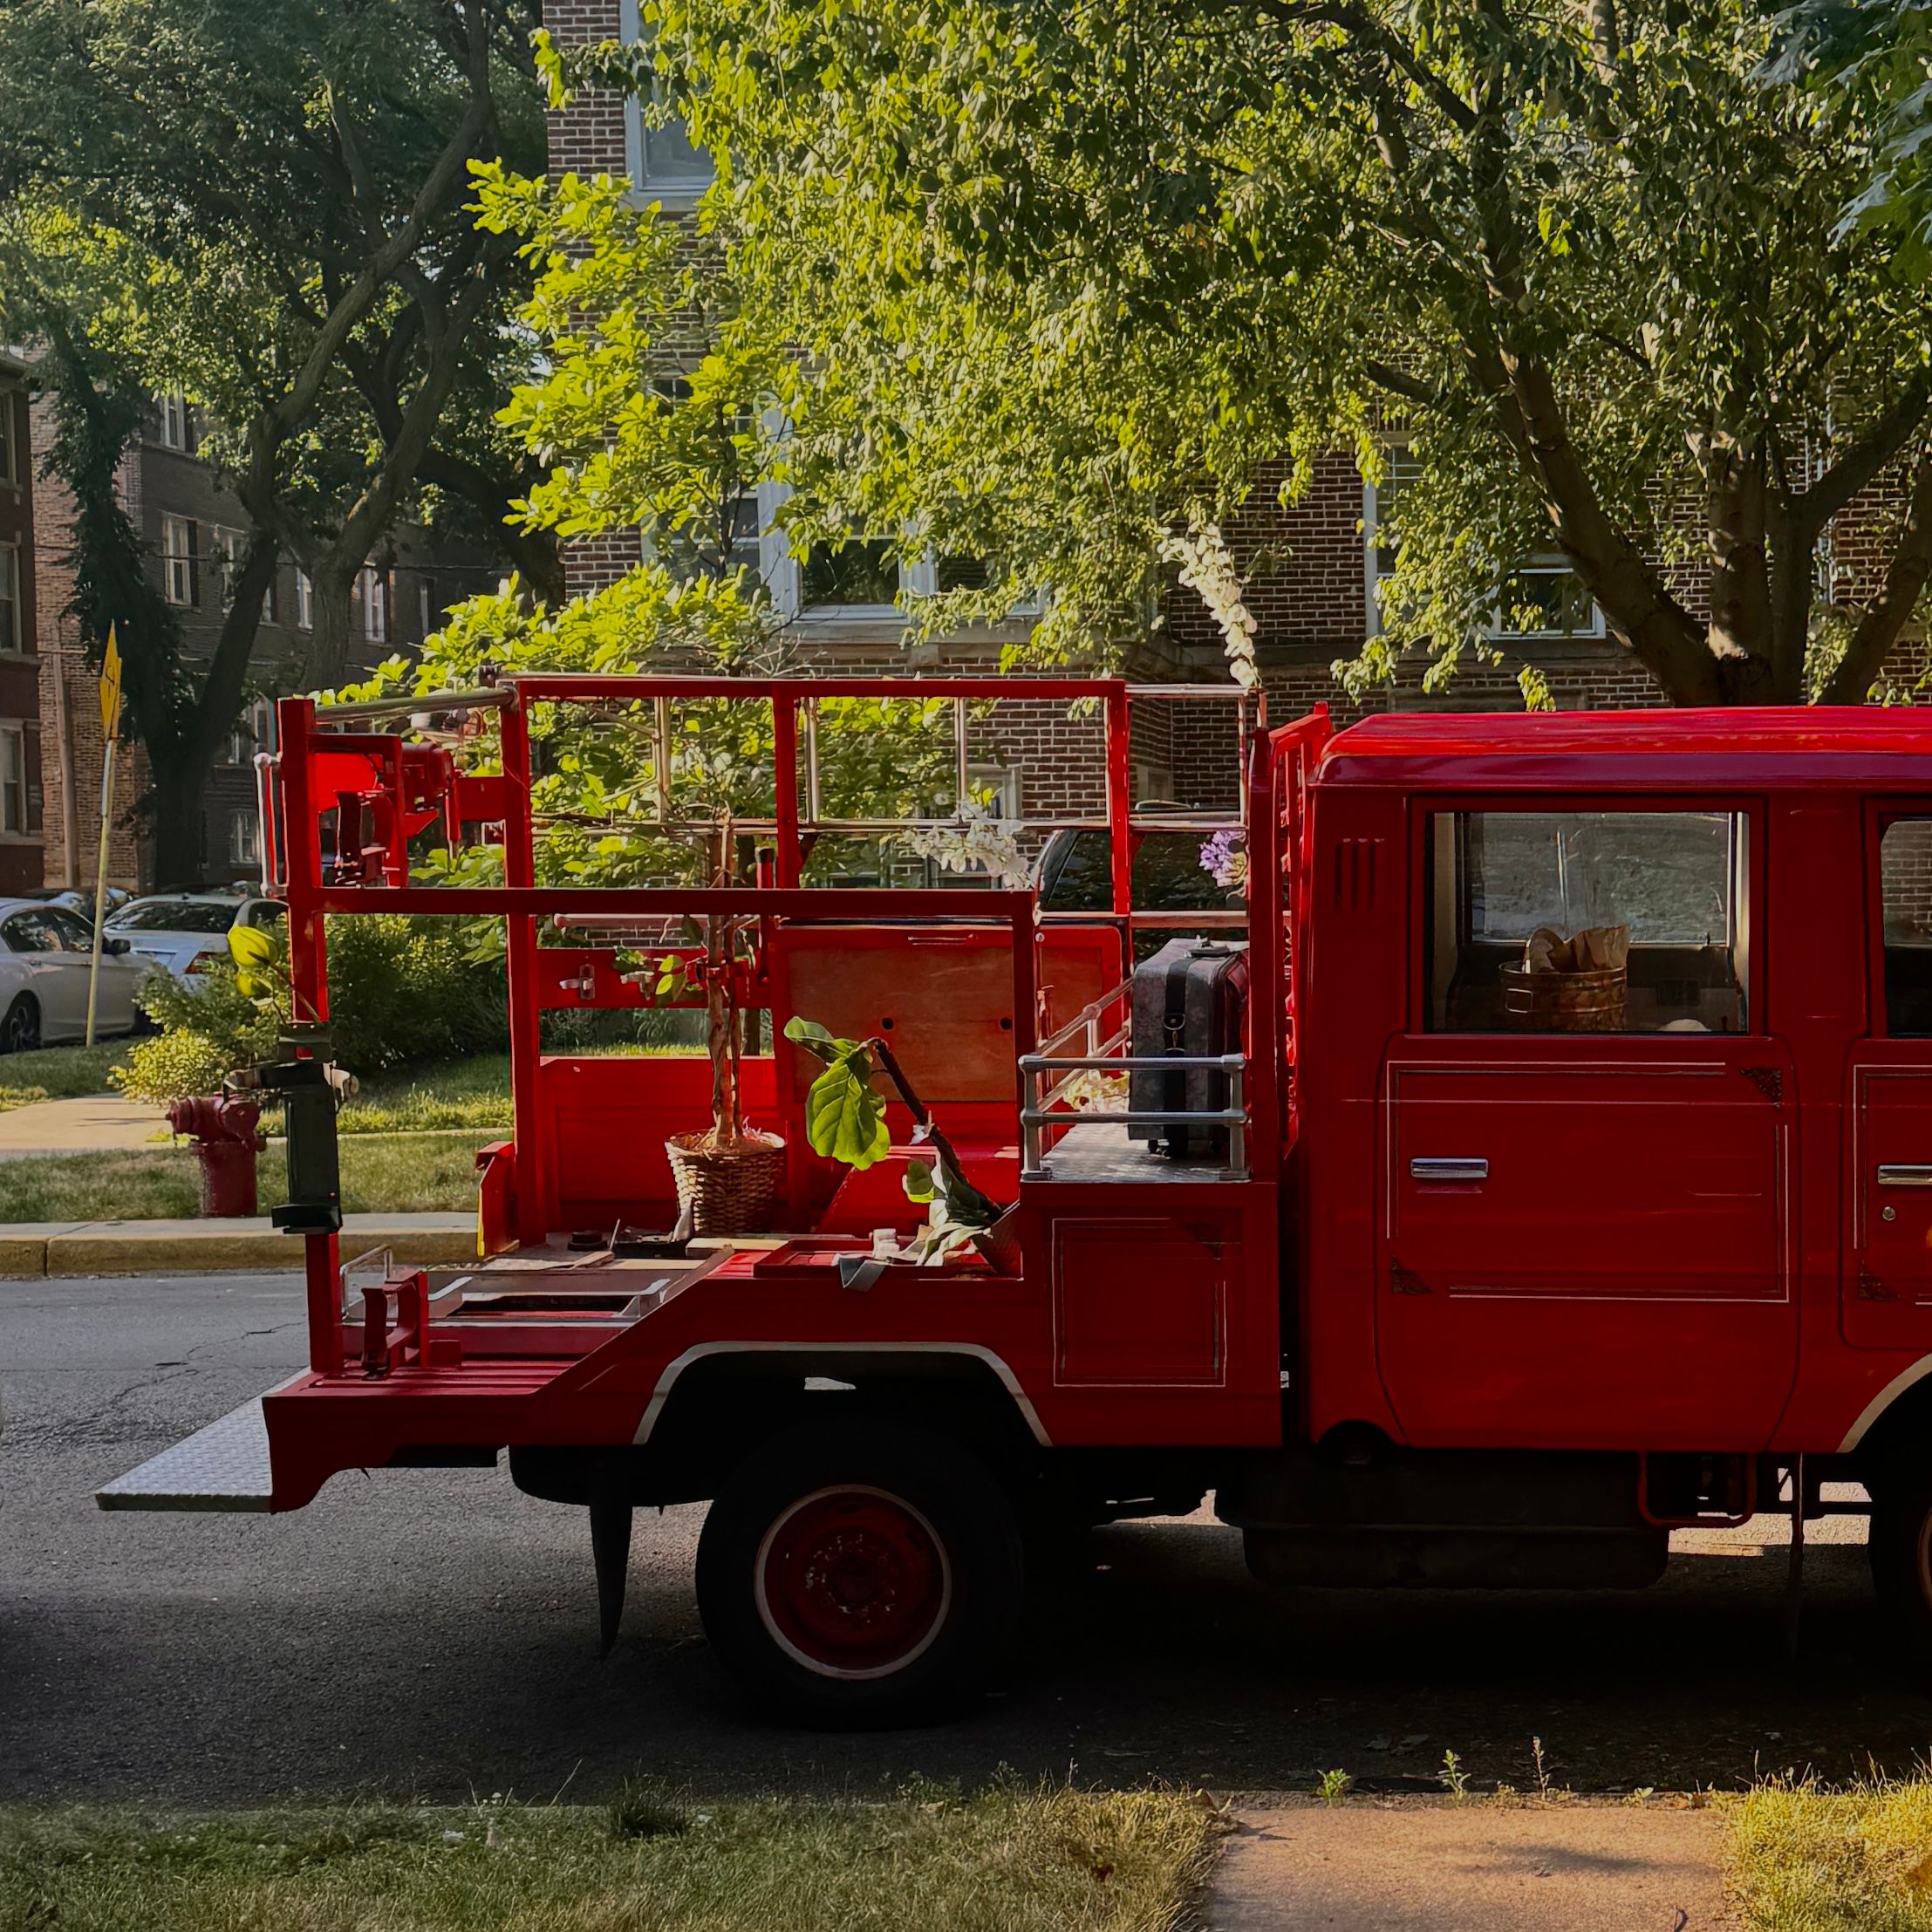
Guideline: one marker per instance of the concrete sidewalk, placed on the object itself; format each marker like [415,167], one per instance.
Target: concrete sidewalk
[1430,1865]
[34,1248]
[97,1123]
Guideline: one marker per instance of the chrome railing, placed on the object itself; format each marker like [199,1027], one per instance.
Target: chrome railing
[1037,1117]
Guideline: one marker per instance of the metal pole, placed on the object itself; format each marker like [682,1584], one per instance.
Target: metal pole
[962,781]
[101,878]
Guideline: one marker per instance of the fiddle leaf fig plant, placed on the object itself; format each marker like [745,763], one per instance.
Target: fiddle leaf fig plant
[844,1113]
[845,1121]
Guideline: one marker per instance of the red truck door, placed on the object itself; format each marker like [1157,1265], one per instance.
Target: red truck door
[1586,1223]
[1888,1283]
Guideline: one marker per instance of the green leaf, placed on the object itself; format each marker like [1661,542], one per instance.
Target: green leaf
[919,1181]
[814,1038]
[844,1114]
[249,945]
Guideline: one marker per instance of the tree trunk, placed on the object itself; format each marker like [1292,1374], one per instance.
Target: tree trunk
[333,637]
[180,787]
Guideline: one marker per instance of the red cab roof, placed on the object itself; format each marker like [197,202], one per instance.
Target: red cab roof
[1889,748]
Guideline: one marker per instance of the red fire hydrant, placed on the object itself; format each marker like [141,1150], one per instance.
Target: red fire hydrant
[226,1135]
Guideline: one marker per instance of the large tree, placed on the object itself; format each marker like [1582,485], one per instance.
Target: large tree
[1074,275]
[268,209]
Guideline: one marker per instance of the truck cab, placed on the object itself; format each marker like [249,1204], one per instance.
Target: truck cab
[1554,1171]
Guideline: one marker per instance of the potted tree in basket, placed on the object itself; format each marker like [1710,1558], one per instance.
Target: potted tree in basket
[727,1175]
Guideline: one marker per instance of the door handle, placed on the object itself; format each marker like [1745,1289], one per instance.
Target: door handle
[1468,1168]
[1892,1174]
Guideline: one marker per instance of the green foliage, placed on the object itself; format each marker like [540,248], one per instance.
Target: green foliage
[174,1065]
[844,1112]
[403,992]
[1071,280]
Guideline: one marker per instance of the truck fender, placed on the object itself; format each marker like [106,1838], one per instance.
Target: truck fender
[822,1357]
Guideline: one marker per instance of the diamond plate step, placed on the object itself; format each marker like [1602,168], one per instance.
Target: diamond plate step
[224,1466]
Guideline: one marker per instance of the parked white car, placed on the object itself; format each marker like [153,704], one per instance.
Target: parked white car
[44,955]
[187,931]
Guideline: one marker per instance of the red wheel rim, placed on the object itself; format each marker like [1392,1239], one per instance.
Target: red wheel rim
[852,1583]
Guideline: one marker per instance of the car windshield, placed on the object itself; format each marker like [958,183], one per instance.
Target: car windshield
[1169,876]
[176,916]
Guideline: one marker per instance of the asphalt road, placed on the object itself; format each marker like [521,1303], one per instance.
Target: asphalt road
[432,1633]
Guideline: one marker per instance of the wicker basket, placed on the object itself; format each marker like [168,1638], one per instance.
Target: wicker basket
[1565,1003]
[729,1190]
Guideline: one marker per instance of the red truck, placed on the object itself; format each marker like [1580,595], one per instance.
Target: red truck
[1556,1171]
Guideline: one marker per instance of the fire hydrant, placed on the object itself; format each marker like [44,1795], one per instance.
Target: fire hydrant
[226,1135]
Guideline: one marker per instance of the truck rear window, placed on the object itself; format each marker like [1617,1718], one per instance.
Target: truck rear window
[1587,922]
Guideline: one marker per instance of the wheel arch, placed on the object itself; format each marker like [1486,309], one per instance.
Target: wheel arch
[963,1365]
[1905,1403]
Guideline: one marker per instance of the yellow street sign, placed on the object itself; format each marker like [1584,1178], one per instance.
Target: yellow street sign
[110,686]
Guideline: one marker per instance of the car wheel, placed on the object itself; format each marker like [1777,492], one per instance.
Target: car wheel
[860,1575]
[20,1030]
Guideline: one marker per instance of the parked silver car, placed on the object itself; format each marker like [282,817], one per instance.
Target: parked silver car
[187,932]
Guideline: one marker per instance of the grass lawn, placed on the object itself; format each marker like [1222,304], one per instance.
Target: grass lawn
[57,1073]
[1808,1859]
[1005,1861]
[402,1173]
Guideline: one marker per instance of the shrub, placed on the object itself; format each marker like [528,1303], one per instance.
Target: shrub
[402,992]
[168,1066]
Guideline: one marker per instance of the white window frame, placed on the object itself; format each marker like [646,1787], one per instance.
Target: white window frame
[180,561]
[226,547]
[176,427]
[304,600]
[16,807]
[13,627]
[372,594]
[1495,630]
[422,607]
[676,195]
[1545,563]
[253,731]
[244,839]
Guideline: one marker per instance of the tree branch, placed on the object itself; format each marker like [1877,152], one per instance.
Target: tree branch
[1862,462]
[1886,615]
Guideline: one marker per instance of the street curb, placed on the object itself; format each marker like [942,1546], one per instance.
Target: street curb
[104,1249]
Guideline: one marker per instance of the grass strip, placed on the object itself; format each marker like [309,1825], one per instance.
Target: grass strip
[385,1174]
[1005,1860]
[57,1073]
[1808,1859]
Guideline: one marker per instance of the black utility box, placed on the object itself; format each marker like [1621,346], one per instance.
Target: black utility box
[1189,999]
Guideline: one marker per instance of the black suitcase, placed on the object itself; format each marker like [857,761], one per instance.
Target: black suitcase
[1188,1000]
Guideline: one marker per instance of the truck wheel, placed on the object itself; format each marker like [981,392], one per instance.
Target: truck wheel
[1900,1547]
[860,1575]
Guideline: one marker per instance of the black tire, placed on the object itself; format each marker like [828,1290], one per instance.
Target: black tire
[20,1030]
[858,1575]
[1900,1547]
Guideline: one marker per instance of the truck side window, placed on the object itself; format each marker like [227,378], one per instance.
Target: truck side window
[1556,921]
[1905,874]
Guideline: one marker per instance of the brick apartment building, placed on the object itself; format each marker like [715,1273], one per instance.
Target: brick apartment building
[1315,606]
[193,529]
[21,856]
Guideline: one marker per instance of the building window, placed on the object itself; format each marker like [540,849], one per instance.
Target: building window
[1545,598]
[244,839]
[424,608]
[859,573]
[252,732]
[181,561]
[225,550]
[10,430]
[1541,600]
[177,422]
[1579,921]
[372,594]
[12,619]
[13,779]
[304,602]
[663,161]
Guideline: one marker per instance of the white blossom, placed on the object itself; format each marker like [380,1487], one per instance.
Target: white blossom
[1208,569]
